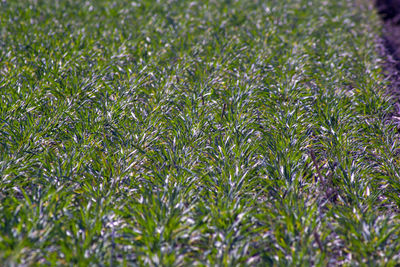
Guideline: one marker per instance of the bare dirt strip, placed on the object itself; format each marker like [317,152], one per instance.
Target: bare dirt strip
[389,11]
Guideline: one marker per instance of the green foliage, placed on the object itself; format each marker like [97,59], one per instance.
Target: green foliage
[180,133]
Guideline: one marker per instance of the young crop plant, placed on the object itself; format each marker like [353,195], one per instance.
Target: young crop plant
[195,133]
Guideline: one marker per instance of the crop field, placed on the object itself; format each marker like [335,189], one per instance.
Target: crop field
[196,133]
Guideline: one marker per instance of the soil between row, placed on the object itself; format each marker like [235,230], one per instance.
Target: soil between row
[389,11]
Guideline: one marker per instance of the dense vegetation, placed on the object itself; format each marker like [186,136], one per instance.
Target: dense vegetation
[219,133]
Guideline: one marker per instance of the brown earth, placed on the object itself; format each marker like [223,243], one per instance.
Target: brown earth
[389,10]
